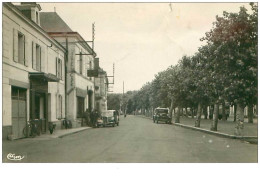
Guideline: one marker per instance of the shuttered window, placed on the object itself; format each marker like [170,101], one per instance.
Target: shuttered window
[38,57]
[15,45]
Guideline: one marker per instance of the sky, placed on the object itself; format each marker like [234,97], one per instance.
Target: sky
[141,39]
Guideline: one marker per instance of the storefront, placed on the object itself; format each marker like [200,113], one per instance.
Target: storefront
[39,98]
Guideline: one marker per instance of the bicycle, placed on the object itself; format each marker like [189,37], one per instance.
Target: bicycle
[31,129]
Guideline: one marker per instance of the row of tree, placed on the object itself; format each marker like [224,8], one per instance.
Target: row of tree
[222,71]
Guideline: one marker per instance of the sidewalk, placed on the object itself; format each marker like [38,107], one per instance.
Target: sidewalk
[56,134]
[61,133]
[225,128]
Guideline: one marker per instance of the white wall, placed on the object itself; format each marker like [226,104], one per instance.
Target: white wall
[19,72]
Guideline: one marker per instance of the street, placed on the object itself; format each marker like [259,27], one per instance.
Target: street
[135,140]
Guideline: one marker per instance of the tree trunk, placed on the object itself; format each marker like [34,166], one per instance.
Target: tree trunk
[186,112]
[235,112]
[205,112]
[224,117]
[171,109]
[197,122]
[250,113]
[240,120]
[214,126]
[211,109]
[177,119]
[192,113]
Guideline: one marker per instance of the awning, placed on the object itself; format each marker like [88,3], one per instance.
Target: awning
[43,76]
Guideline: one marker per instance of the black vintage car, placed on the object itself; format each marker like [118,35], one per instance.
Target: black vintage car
[108,118]
[161,114]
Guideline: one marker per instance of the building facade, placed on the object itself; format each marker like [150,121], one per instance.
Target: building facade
[33,71]
[101,89]
[80,92]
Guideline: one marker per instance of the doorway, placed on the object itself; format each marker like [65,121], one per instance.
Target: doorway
[19,111]
[39,110]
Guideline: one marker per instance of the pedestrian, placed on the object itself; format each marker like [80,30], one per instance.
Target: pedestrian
[95,118]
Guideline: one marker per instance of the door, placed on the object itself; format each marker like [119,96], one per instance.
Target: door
[18,111]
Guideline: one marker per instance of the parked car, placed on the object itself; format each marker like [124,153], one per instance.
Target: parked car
[161,114]
[108,118]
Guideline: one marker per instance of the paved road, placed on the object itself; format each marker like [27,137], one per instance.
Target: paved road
[135,140]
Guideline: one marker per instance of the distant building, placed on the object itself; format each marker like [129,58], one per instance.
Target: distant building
[33,71]
[79,87]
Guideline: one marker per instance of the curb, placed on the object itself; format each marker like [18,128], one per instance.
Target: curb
[63,135]
[250,139]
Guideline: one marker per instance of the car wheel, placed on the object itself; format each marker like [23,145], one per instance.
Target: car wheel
[113,125]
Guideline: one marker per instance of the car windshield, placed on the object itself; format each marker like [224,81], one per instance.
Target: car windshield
[162,110]
[107,113]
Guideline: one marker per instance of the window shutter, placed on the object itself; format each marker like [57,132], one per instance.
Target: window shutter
[57,67]
[42,60]
[15,45]
[34,55]
[26,51]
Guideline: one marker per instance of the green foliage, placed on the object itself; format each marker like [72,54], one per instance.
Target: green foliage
[113,101]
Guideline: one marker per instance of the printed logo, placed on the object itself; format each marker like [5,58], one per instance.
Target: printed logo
[14,157]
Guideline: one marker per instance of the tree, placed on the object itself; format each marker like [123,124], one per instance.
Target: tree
[113,101]
[235,38]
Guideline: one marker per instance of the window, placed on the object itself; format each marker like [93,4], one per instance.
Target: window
[21,48]
[38,57]
[80,107]
[59,68]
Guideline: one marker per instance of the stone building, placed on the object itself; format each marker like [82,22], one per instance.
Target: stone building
[33,71]
[79,87]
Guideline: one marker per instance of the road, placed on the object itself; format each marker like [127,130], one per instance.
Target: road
[136,139]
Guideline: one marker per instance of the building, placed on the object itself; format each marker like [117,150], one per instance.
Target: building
[101,89]
[33,71]
[79,87]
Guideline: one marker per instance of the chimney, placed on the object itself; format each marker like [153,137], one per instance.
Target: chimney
[31,10]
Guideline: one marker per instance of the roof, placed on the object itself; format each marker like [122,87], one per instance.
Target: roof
[52,22]
[31,23]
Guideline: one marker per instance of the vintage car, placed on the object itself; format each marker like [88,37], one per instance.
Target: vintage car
[161,114]
[108,118]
